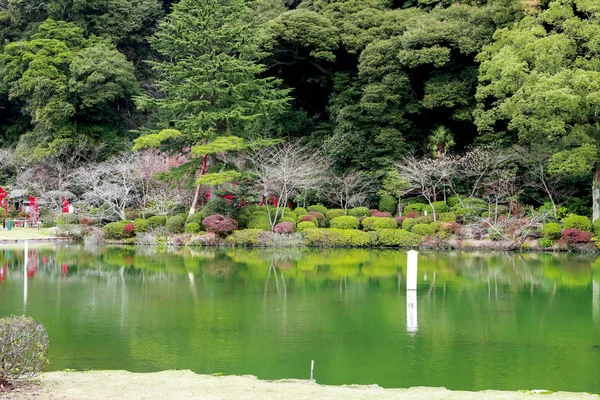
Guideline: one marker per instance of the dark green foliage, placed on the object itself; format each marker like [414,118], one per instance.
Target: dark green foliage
[578,222]
[440,207]
[414,207]
[345,222]
[218,206]
[157,221]
[384,223]
[141,226]
[552,230]
[175,224]
[115,230]
[423,229]
[195,218]
[67,219]
[192,227]
[388,203]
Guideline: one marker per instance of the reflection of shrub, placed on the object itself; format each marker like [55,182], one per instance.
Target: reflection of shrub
[423,229]
[574,236]
[345,222]
[359,212]
[408,224]
[24,347]
[284,227]
[388,203]
[552,230]
[175,224]
[302,226]
[320,208]
[219,224]
[384,223]
[398,237]
[157,221]
[545,243]
[578,222]
[192,227]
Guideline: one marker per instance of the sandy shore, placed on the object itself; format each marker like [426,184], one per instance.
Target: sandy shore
[167,385]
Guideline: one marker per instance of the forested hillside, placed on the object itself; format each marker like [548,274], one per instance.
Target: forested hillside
[366,83]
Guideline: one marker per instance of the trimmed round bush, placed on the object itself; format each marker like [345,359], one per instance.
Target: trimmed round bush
[192,227]
[114,230]
[418,207]
[310,218]
[577,222]
[367,223]
[356,238]
[157,221]
[398,237]
[440,207]
[423,229]
[408,224]
[284,227]
[447,217]
[345,222]
[359,212]
[195,217]
[546,242]
[320,208]
[552,231]
[287,219]
[384,223]
[574,236]
[424,219]
[219,224]
[388,203]
[304,225]
[324,237]
[331,214]
[381,214]
[141,226]
[175,224]
[259,220]
[436,225]
[320,217]
[300,211]
[67,219]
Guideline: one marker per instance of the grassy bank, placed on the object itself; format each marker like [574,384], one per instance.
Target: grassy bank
[98,385]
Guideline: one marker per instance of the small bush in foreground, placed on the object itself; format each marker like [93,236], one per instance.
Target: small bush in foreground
[423,229]
[219,224]
[545,243]
[246,237]
[141,226]
[114,230]
[388,203]
[300,211]
[320,208]
[24,349]
[332,214]
[575,236]
[192,227]
[552,230]
[175,224]
[408,224]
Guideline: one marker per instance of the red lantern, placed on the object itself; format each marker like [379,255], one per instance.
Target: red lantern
[65,205]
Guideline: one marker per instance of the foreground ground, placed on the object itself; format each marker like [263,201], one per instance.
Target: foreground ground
[26,233]
[98,385]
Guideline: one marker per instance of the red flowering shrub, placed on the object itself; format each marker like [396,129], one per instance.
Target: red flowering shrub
[412,214]
[381,214]
[129,230]
[319,216]
[573,236]
[219,224]
[284,227]
[455,227]
[373,211]
[309,218]
[399,220]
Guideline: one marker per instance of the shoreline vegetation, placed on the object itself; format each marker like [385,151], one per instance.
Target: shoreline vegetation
[179,384]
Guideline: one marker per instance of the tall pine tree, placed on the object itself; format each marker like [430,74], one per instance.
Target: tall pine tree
[210,91]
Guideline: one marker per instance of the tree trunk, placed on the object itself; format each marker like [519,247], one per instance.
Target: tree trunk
[212,161]
[195,202]
[596,194]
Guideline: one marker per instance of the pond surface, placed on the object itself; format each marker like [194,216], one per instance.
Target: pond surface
[483,320]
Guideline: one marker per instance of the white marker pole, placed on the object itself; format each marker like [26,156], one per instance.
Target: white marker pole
[25,278]
[312,370]
[412,325]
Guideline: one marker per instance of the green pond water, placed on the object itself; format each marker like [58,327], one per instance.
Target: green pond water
[478,320]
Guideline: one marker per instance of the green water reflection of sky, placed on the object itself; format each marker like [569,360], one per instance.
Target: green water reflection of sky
[485,320]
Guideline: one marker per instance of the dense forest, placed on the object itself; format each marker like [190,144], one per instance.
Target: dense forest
[366,83]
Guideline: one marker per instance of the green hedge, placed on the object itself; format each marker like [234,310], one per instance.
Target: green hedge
[578,222]
[175,224]
[302,226]
[196,217]
[318,208]
[332,214]
[192,227]
[398,237]
[418,207]
[359,212]
[552,231]
[367,223]
[300,211]
[246,237]
[115,230]
[141,226]
[384,223]
[440,207]
[447,217]
[423,229]
[345,222]
[157,221]
[259,220]
[408,224]
[388,203]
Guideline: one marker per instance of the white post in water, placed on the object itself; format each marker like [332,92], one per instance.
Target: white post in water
[412,325]
[26,261]
[596,301]
[312,370]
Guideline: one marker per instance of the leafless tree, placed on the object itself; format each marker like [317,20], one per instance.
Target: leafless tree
[350,190]
[282,171]
[501,189]
[111,186]
[53,200]
[516,229]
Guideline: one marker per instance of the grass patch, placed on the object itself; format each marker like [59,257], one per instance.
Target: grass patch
[27,233]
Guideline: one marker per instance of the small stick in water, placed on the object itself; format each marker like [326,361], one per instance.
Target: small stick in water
[312,370]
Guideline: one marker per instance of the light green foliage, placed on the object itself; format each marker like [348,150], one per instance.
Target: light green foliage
[300,211]
[394,185]
[331,214]
[440,141]
[440,207]
[259,220]
[356,238]
[545,243]
[577,221]
[246,237]
[552,230]
[388,203]
[197,218]
[320,208]
[115,230]
[345,222]
[447,217]
[423,229]
[398,237]
[141,226]
[192,227]
[408,224]
[424,219]
[302,226]
[367,223]
[324,237]
[414,207]
[157,221]
[175,224]
[359,212]
[597,228]
[436,225]
[384,223]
